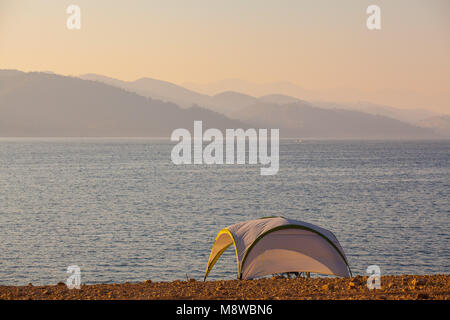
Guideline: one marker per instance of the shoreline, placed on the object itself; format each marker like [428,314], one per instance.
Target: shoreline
[404,287]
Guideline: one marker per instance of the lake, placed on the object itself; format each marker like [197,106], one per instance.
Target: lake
[120,209]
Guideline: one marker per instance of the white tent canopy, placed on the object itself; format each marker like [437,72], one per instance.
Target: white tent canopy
[276,245]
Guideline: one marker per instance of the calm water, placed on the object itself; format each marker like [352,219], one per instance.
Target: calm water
[122,211]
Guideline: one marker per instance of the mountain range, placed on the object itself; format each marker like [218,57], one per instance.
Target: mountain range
[439,124]
[45,104]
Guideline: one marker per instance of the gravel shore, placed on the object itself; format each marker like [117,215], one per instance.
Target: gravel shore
[392,288]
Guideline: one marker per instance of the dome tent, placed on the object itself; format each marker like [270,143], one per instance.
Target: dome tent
[275,245]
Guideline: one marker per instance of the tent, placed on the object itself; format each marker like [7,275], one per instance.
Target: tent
[275,245]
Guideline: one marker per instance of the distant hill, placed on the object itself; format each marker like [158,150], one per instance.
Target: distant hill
[411,102]
[225,102]
[253,89]
[41,104]
[411,116]
[278,99]
[156,89]
[439,124]
[302,119]
[229,102]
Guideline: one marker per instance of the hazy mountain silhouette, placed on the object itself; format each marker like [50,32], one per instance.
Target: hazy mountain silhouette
[302,119]
[412,100]
[278,99]
[229,102]
[440,124]
[156,89]
[41,104]
[224,102]
[253,89]
[411,116]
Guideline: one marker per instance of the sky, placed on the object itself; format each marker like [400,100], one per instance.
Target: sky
[320,45]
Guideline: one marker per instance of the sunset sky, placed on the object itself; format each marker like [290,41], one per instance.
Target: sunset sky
[319,45]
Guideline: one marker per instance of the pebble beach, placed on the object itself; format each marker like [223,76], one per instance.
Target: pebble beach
[405,287]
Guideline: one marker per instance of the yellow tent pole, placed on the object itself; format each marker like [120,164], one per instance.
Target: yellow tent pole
[217,256]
